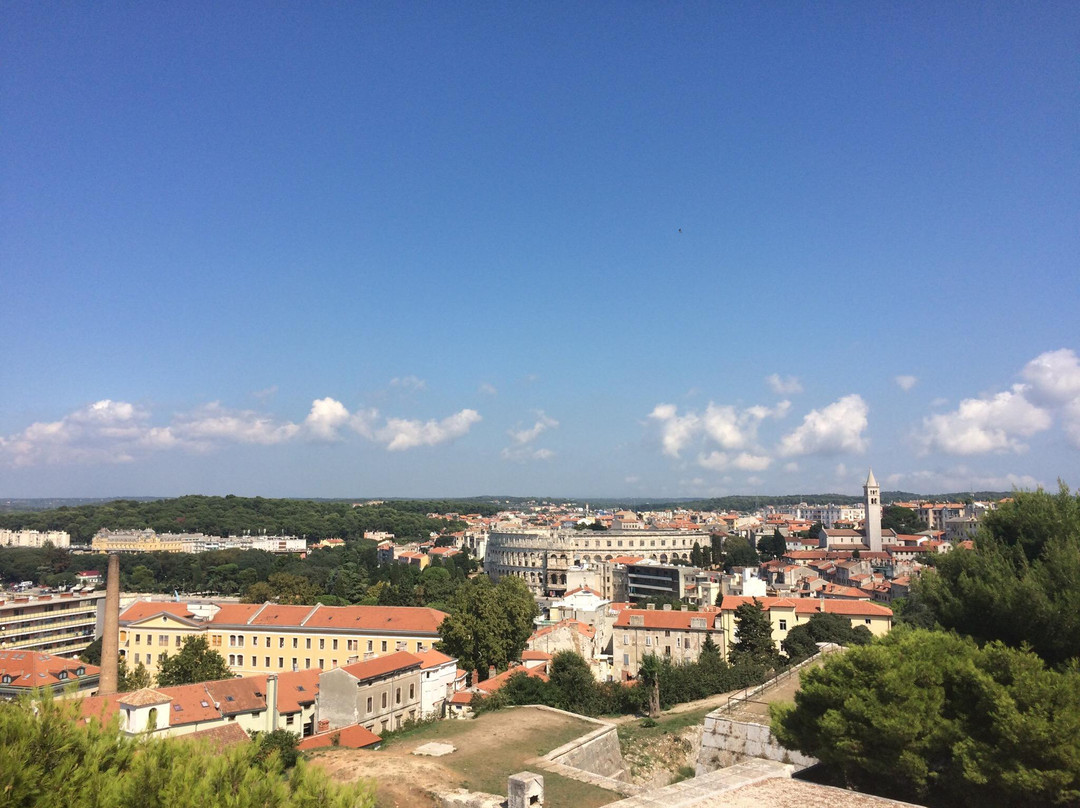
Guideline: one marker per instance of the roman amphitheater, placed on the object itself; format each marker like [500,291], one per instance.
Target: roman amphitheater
[541,557]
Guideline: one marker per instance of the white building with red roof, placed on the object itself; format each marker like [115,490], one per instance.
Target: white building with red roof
[26,671]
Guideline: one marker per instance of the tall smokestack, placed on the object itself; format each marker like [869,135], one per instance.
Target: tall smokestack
[110,639]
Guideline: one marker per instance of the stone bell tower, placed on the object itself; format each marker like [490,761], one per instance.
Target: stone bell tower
[872,526]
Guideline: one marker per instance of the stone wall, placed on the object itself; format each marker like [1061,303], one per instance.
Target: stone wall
[597,752]
[725,741]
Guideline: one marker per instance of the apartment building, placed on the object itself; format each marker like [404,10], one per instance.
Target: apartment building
[61,625]
[259,638]
[786,613]
[150,541]
[380,694]
[674,634]
[34,538]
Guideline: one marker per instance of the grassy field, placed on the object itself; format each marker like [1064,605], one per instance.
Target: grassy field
[481,770]
[488,750]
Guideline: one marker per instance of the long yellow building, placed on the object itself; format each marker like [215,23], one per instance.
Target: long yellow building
[269,638]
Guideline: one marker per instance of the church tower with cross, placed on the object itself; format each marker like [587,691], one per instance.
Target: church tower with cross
[872,525]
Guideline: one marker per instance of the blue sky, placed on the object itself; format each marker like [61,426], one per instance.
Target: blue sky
[608,249]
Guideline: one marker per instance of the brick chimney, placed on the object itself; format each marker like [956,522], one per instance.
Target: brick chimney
[271,702]
[110,637]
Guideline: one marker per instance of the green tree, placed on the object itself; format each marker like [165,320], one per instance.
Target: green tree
[935,717]
[802,640]
[573,685]
[738,552]
[772,546]
[1021,583]
[141,579]
[697,557]
[649,672]
[488,625]
[901,519]
[196,662]
[753,629]
[137,679]
[91,655]
[50,757]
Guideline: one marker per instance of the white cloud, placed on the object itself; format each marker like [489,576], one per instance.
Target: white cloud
[744,461]
[784,386]
[408,383]
[959,478]
[1054,377]
[993,423]
[399,433]
[675,430]
[792,466]
[213,422]
[522,448]
[729,427]
[266,393]
[488,389]
[103,432]
[830,430]
[906,382]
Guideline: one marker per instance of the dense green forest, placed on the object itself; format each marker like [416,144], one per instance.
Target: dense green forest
[234,516]
[334,576]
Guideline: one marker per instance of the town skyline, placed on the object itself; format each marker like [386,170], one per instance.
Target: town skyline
[629,252]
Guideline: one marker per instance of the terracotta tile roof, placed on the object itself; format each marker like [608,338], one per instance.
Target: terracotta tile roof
[493,683]
[381,666]
[657,618]
[234,696]
[142,609]
[627,559]
[527,656]
[220,737]
[274,614]
[297,689]
[144,698]
[432,658]
[462,697]
[404,619]
[351,737]
[235,614]
[35,669]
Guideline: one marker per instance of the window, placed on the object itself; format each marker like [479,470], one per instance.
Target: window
[397,696]
[177,641]
[294,665]
[678,642]
[783,625]
[412,692]
[307,663]
[335,645]
[147,659]
[138,638]
[400,646]
[384,645]
[281,642]
[281,662]
[322,663]
[333,663]
[267,662]
[240,660]
[384,697]
[232,640]
[626,660]
[369,704]
[295,642]
[289,720]
[240,639]
[370,645]
[322,643]
[625,639]
[307,643]
[267,642]
[867,621]
[667,633]
[353,645]
[648,640]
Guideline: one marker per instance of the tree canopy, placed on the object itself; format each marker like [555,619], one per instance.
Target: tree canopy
[51,758]
[488,624]
[901,519]
[930,715]
[1021,583]
[754,645]
[196,662]
[801,641]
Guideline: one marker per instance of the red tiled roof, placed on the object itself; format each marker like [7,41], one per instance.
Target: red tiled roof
[405,619]
[275,614]
[34,669]
[529,656]
[142,609]
[235,614]
[658,618]
[380,666]
[495,682]
[351,737]
[220,737]
[432,658]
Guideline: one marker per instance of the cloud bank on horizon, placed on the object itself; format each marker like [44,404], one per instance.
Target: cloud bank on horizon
[721,439]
